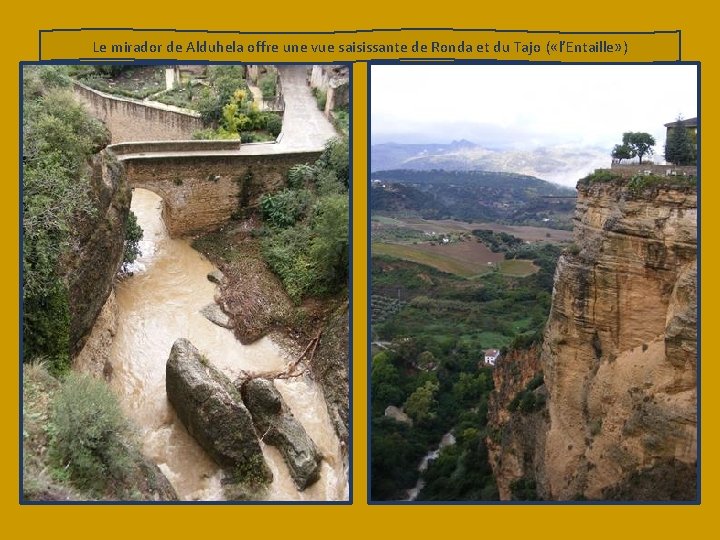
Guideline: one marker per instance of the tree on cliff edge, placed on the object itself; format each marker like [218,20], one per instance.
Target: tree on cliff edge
[634,144]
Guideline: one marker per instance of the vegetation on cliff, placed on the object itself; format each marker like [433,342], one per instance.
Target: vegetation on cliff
[77,445]
[639,185]
[59,138]
[76,442]
[306,226]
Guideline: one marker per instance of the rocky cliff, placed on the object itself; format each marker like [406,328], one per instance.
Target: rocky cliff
[619,350]
[515,431]
[98,251]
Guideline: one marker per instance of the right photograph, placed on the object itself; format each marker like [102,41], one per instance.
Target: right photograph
[533,276]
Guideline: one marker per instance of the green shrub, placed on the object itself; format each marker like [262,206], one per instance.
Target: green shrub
[329,250]
[320,97]
[89,435]
[204,134]
[284,208]
[600,175]
[287,253]
[46,327]
[524,489]
[273,123]
[268,85]
[248,137]
[341,121]
[210,106]
[336,157]
[307,241]
[133,235]
[300,175]
[639,183]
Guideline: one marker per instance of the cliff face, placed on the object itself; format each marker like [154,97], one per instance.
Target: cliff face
[98,253]
[516,435]
[619,353]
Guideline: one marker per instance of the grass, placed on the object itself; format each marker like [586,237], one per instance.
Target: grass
[181,96]
[518,267]
[493,340]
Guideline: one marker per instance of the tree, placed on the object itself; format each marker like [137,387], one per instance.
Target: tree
[133,235]
[638,143]
[622,151]
[421,404]
[679,148]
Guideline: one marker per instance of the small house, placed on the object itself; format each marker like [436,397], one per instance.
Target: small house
[491,356]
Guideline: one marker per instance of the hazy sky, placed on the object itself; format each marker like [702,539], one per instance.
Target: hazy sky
[528,105]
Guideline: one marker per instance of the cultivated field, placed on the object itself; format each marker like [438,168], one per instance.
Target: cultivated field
[446,226]
[465,259]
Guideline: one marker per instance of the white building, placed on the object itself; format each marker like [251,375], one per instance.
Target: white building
[491,356]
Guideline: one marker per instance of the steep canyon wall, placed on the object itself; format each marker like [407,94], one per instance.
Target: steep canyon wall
[619,354]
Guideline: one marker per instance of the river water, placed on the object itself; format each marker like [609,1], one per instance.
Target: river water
[161,303]
[447,440]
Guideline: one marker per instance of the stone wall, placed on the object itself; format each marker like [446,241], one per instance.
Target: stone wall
[200,193]
[660,170]
[122,149]
[130,120]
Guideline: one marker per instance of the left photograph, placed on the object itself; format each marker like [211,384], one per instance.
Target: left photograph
[184,293]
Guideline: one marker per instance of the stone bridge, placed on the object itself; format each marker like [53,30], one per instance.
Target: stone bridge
[203,183]
[201,189]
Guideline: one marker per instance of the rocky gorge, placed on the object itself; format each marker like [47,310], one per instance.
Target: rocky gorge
[163,340]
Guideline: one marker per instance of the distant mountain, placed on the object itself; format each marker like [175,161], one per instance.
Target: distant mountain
[561,164]
[472,195]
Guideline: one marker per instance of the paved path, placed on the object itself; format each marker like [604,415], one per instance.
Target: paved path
[305,127]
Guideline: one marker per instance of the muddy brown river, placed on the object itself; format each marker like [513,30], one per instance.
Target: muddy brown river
[157,305]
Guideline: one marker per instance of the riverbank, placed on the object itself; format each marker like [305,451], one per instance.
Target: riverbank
[257,305]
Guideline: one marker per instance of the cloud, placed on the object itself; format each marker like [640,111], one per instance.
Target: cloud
[528,105]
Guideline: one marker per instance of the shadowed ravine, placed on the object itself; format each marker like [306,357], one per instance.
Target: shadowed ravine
[157,305]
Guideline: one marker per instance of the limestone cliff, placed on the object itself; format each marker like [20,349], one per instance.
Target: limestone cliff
[98,251]
[514,432]
[619,350]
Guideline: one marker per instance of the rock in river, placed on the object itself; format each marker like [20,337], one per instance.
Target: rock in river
[216,276]
[215,314]
[280,429]
[213,412]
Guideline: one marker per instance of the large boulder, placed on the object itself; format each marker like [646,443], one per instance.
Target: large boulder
[213,412]
[279,428]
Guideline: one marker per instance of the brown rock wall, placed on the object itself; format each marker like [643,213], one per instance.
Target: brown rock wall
[619,350]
